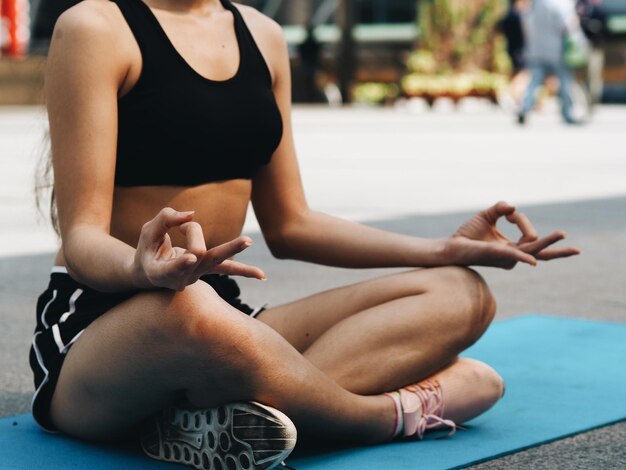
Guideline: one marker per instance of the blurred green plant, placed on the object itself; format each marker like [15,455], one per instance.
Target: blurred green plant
[375,93]
[480,83]
[459,52]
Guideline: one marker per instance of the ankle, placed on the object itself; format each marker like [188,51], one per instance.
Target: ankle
[419,407]
[384,420]
[399,416]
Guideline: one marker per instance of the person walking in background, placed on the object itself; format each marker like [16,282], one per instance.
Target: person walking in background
[547,24]
[593,19]
[511,28]
[309,51]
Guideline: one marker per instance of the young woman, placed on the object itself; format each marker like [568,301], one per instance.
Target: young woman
[167,117]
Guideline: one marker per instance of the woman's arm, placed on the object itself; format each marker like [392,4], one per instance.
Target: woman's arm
[87,66]
[85,69]
[292,230]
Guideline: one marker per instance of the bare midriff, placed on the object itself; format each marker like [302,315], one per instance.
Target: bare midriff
[220,208]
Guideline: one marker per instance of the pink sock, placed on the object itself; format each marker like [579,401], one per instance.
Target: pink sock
[399,425]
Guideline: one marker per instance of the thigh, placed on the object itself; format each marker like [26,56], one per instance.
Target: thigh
[142,355]
[303,321]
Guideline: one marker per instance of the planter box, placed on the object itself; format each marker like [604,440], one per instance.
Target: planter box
[21,81]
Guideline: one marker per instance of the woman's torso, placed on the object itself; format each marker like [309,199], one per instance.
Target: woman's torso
[220,205]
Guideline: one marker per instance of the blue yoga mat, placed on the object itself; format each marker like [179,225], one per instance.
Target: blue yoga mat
[563,377]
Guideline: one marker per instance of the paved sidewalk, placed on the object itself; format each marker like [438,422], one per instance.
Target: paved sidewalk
[418,174]
[366,164]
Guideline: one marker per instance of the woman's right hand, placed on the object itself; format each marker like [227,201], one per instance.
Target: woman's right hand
[159,264]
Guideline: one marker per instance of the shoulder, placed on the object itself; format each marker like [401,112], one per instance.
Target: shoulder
[90,19]
[270,40]
[89,48]
[261,26]
[96,14]
[90,38]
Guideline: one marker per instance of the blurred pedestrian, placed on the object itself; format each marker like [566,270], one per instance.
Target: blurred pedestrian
[511,28]
[547,24]
[593,18]
[309,51]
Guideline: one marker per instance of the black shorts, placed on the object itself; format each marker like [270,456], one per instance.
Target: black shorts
[518,60]
[65,309]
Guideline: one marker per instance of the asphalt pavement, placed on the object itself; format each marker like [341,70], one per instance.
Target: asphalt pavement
[404,170]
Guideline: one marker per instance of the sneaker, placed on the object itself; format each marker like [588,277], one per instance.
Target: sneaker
[521,119]
[237,436]
[420,407]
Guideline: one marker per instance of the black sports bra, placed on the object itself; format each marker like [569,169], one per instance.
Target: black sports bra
[178,128]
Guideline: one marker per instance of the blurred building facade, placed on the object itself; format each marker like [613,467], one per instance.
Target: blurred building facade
[613,44]
[358,40]
[355,41]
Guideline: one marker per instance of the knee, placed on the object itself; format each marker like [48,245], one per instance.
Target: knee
[203,328]
[474,305]
[488,384]
[480,301]
[470,389]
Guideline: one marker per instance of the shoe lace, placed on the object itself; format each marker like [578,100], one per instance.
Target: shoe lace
[430,416]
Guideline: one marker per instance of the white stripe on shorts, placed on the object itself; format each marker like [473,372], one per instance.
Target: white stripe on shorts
[72,309]
[56,333]
[257,310]
[45,309]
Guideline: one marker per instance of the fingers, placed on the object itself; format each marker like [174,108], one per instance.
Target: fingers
[183,263]
[186,266]
[165,249]
[179,252]
[167,218]
[529,234]
[496,211]
[235,268]
[540,248]
[542,243]
[494,254]
[172,271]
[175,267]
[217,255]
[229,249]
[510,251]
[195,237]
[554,253]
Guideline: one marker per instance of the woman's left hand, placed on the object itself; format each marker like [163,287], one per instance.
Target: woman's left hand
[478,241]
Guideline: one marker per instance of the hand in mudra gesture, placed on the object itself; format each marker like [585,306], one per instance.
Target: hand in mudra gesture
[479,242]
[159,264]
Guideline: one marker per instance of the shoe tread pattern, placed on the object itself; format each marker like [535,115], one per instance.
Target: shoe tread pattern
[237,436]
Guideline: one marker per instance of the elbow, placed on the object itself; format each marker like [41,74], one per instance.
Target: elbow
[74,246]
[283,241]
[71,250]
[278,244]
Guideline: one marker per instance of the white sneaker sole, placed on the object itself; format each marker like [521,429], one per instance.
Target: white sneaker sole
[237,436]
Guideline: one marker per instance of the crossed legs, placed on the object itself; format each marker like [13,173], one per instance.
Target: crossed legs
[162,347]
[327,375]
[386,333]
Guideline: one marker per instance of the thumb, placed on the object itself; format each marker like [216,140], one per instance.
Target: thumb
[167,218]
